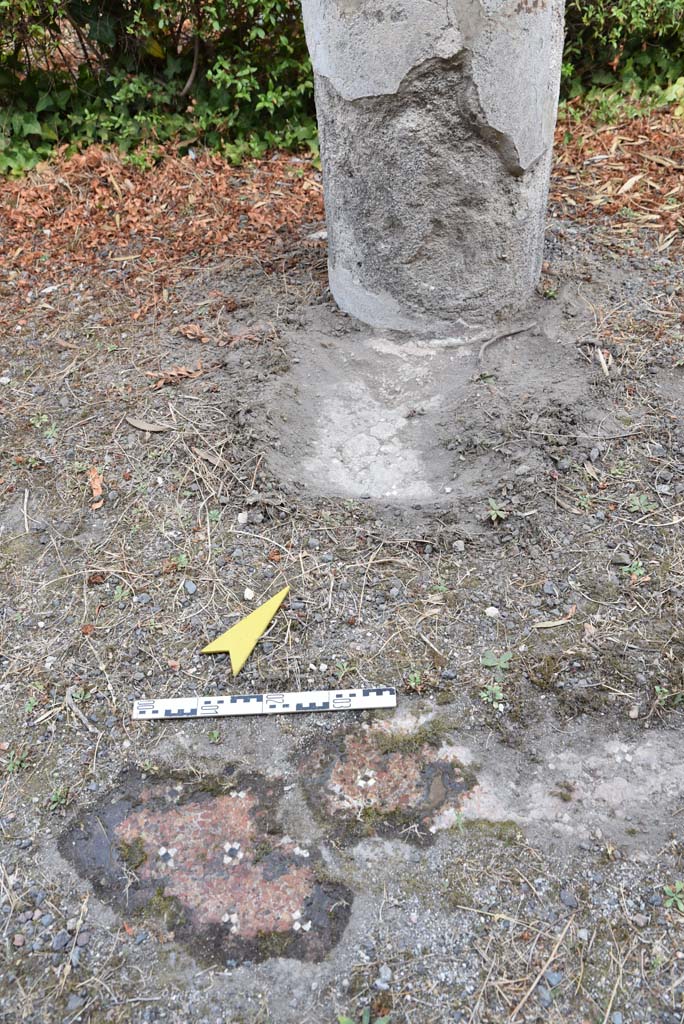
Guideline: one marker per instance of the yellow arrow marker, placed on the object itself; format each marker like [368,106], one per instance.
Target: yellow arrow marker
[241,639]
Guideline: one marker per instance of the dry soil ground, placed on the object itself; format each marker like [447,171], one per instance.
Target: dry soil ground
[501,540]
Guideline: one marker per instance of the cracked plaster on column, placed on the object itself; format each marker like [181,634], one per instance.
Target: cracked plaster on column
[436,124]
[346,36]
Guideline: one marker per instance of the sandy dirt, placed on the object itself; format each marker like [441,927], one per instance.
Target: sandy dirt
[500,538]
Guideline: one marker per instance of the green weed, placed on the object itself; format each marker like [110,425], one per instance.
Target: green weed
[494,511]
[59,798]
[674,896]
[492,693]
[641,503]
[365,1018]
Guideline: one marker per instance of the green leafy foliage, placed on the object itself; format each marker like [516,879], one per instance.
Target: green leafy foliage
[641,503]
[674,896]
[498,663]
[365,1018]
[495,513]
[634,45]
[230,74]
[493,691]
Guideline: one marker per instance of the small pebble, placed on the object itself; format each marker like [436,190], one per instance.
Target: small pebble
[567,898]
[616,1018]
[553,978]
[640,920]
[545,997]
[243,518]
[249,594]
[190,587]
[492,612]
[383,979]
[19,939]
[60,941]
[75,1003]
[634,711]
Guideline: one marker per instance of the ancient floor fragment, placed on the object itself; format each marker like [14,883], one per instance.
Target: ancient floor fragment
[211,866]
[384,781]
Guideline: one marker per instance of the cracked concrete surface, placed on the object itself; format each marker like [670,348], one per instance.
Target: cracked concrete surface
[387,432]
[374,436]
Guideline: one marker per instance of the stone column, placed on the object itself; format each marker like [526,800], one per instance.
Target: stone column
[436,120]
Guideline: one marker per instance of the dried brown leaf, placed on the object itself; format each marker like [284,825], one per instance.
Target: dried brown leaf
[95,481]
[193,331]
[150,428]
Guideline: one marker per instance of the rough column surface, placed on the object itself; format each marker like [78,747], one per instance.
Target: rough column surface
[436,123]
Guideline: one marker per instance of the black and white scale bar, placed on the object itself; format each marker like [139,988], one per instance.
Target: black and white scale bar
[266,703]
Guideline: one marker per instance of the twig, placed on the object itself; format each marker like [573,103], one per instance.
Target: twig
[67,968]
[602,360]
[365,580]
[500,917]
[195,62]
[431,645]
[613,993]
[195,58]
[79,35]
[69,701]
[484,340]
[544,968]
[510,333]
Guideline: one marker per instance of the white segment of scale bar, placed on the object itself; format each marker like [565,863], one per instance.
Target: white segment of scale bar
[295,702]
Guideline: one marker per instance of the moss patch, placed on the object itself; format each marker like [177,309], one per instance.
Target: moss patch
[132,854]
[166,909]
[431,734]
[507,832]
